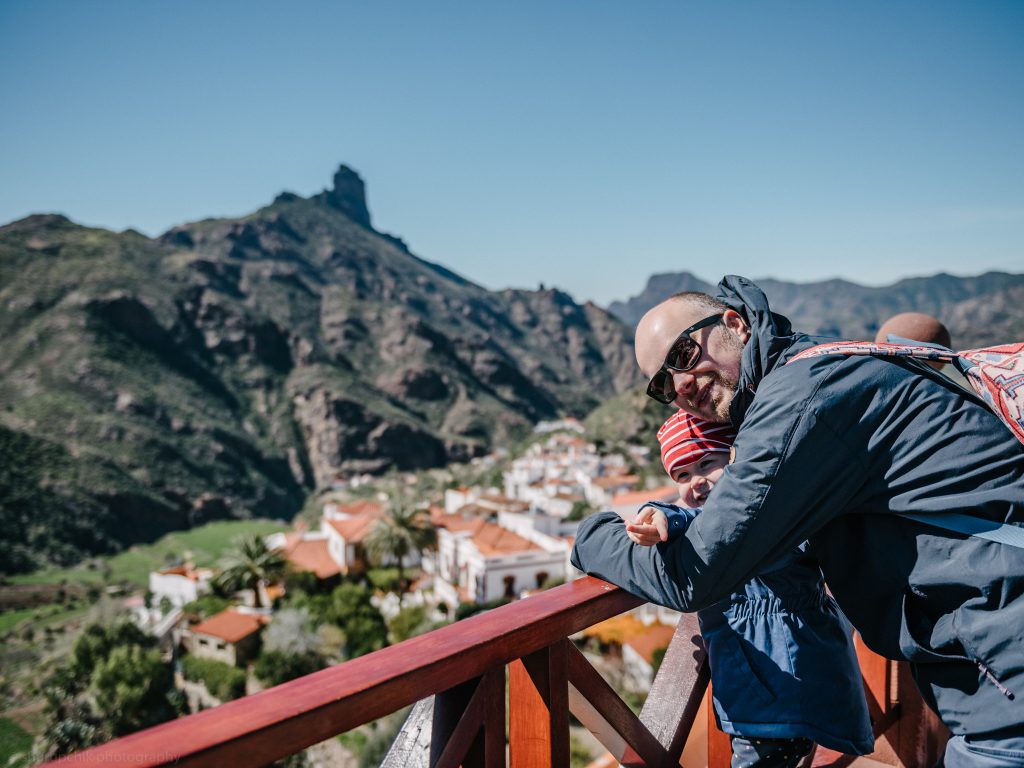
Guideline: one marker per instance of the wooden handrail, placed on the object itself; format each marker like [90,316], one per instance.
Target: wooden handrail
[456,674]
[283,720]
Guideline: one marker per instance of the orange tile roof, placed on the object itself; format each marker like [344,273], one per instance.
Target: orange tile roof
[314,556]
[615,480]
[657,636]
[361,507]
[662,493]
[457,522]
[275,591]
[192,574]
[489,538]
[355,529]
[230,625]
[492,539]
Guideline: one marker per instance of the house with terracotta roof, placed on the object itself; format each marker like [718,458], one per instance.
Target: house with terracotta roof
[179,585]
[339,546]
[309,553]
[478,561]
[231,636]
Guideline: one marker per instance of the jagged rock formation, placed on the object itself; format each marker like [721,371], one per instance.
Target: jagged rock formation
[229,366]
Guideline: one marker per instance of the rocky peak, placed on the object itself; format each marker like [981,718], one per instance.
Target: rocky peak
[348,195]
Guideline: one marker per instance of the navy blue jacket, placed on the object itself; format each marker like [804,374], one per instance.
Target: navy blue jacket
[829,450]
[783,664]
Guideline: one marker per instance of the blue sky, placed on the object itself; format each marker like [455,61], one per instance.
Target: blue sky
[584,145]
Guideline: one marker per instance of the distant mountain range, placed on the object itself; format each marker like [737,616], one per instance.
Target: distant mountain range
[229,366]
[978,311]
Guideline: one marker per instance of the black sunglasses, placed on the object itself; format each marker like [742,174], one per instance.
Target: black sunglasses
[682,356]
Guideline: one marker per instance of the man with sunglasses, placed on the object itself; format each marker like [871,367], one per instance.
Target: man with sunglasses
[836,450]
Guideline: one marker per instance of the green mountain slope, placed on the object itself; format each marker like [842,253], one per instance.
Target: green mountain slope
[231,365]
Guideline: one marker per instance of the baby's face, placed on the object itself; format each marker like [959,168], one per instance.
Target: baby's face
[696,480]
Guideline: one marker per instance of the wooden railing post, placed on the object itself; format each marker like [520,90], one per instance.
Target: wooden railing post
[539,709]
[719,743]
[673,704]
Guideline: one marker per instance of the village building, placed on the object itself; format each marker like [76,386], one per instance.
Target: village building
[178,585]
[231,636]
[601,490]
[478,561]
[338,548]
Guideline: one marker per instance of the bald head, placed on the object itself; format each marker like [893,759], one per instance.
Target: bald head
[707,388]
[917,326]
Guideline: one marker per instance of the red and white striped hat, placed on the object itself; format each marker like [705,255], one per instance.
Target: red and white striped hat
[685,439]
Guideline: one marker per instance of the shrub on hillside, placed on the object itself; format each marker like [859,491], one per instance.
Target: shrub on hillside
[276,667]
[223,681]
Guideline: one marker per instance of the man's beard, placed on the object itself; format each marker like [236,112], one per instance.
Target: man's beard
[717,408]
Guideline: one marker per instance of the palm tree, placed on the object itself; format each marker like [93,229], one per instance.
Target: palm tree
[251,563]
[400,532]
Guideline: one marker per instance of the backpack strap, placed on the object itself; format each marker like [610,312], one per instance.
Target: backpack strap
[994,374]
[917,351]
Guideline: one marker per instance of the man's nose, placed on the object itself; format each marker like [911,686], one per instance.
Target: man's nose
[683,382]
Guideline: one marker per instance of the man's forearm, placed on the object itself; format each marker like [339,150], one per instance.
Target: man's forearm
[603,549]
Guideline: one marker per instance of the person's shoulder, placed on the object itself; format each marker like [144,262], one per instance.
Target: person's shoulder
[825,374]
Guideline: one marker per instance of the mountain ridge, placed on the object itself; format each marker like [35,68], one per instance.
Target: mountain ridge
[228,366]
[846,309]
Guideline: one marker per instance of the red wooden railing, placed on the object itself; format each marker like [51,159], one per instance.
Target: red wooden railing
[462,666]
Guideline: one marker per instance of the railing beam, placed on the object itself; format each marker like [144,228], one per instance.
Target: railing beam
[539,709]
[596,704]
[280,721]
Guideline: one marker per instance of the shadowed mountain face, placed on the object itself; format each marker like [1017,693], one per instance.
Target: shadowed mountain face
[231,365]
[979,311]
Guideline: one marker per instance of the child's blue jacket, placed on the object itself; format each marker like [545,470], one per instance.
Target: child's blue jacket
[782,657]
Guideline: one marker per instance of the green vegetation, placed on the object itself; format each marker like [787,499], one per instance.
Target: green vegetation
[354,741]
[14,740]
[276,667]
[657,657]
[223,681]
[114,683]
[628,418]
[401,532]
[250,563]
[349,609]
[580,755]
[383,579]
[204,607]
[205,546]
[580,510]
[410,622]
[465,610]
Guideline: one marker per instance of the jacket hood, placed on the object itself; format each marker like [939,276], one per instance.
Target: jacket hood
[771,335]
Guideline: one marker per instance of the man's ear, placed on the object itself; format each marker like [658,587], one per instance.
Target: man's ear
[734,321]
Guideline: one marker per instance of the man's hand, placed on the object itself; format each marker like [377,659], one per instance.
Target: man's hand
[649,527]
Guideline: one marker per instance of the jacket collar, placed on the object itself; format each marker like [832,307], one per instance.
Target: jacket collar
[770,335]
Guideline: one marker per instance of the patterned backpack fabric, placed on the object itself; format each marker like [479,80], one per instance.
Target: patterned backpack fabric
[996,374]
